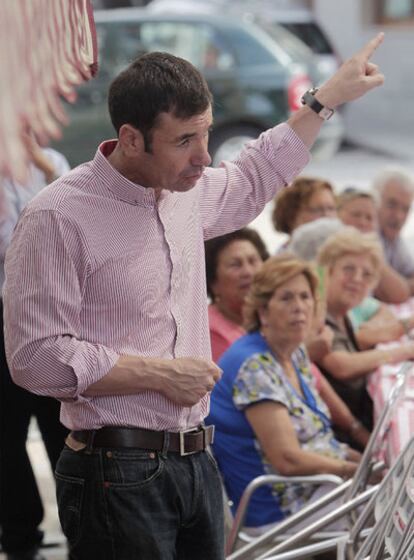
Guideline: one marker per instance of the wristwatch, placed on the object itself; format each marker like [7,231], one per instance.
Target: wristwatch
[309,99]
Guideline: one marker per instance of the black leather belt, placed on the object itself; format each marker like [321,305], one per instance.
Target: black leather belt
[185,443]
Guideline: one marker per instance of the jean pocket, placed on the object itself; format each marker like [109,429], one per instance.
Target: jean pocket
[69,491]
[212,459]
[131,468]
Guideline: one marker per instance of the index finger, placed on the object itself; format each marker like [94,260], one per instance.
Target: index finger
[368,50]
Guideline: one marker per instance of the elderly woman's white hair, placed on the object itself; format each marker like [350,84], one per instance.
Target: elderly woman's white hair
[308,238]
[397,175]
[350,241]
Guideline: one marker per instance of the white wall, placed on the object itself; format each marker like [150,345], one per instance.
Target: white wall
[384,119]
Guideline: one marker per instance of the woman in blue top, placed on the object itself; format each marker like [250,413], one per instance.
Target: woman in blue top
[269,417]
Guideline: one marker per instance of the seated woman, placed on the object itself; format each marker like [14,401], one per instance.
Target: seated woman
[372,320]
[353,262]
[269,417]
[358,208]
[231,262]
[305,200]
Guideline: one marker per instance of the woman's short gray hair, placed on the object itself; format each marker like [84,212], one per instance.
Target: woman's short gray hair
[308,238]
[350,241]
[397,175]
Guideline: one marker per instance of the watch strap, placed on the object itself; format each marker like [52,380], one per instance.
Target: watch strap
[310,100]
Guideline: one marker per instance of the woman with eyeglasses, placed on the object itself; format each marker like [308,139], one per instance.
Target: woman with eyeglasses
[305,200]
[359,208]
[268,413]
[373,321]
[353,262]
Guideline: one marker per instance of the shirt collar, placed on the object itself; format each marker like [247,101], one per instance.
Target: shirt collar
[120,186]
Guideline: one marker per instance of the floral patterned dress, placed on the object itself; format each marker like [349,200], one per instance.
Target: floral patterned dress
[253,378]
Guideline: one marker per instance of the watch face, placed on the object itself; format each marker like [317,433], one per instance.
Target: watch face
[326,113]
[307,98]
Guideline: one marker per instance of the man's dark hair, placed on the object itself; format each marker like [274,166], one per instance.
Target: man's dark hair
[156,83]
[213,248]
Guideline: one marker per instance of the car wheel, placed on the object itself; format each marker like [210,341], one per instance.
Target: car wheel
[227,143]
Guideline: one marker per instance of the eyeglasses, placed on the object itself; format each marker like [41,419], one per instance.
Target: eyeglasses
[350,271]
[321,210]
[394,205]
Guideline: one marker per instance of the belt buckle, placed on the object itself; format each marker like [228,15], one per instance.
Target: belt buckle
[183,452]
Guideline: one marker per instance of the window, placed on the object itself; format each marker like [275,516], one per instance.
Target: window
[197,43]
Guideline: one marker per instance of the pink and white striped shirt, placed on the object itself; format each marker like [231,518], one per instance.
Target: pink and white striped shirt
[97,268]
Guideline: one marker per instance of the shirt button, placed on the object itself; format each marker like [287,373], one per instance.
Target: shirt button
[109,454]
[152,455]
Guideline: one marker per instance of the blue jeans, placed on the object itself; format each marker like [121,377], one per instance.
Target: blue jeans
[133,504]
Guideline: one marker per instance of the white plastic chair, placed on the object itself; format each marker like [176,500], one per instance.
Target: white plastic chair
[392,501]
[394,513]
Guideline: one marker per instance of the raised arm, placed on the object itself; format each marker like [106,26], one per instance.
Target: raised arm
[354,78]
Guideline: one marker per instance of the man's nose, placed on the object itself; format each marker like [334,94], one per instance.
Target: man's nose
[201,157]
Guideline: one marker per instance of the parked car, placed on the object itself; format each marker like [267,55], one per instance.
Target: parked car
[256,78]
[294,15]
[301,22]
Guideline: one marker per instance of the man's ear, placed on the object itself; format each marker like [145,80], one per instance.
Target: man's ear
[131,140]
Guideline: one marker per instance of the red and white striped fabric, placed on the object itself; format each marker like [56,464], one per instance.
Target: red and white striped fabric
[380,385]
[47,47]
[98,268]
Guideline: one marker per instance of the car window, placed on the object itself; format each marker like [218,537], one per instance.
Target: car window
[119,43]
[288,41]
[311,34]
[93,92]
[249,47]
[197,43]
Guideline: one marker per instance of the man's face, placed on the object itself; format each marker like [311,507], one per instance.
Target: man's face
[178,153]
[394,207]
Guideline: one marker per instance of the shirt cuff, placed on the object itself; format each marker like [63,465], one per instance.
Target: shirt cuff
[290,149]
[90,369]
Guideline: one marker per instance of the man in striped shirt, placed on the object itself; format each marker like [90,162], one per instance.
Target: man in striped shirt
[106,307]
